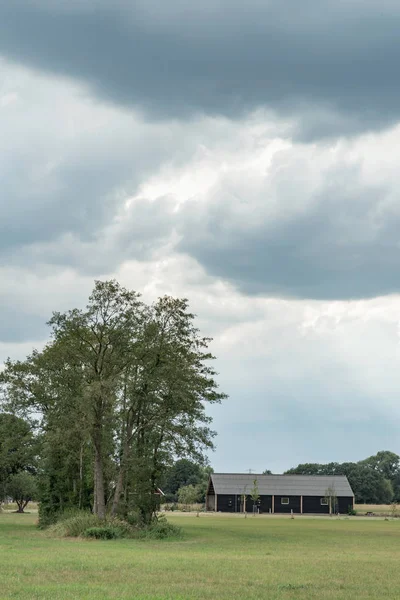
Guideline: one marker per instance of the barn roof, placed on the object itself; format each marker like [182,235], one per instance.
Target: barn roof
[280,485]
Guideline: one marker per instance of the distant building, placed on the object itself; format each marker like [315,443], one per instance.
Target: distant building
[312,494]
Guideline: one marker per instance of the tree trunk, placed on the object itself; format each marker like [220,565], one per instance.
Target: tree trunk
[22,504]
[99,499]
[121,475]
[94,490]
[80,502]
[118,490]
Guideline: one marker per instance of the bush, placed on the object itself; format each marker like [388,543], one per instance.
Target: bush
[74,523]
[161,529]
[103,533]
[134,519]
[80,523]
[351,511]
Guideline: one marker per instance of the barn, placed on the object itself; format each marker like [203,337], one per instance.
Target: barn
[302,494]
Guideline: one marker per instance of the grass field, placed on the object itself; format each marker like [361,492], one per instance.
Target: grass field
[378,509]
[219,557]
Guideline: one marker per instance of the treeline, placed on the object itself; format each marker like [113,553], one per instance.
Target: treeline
[374,480]
[186,482]
[113,400]
[19,449]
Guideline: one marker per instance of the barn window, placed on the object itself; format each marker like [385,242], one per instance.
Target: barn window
[324,502]
[284,500]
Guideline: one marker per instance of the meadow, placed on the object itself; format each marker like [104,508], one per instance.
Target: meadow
[218,557]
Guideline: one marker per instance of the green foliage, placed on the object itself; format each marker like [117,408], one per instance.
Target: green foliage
[189,494]
[255,494]
[184,472]
[103,533]
[78,523]
[331,499]
[351,511]
[18,454]
[17,445]
[161,529]
[22,488]
[74,523]
[134,519]
[367,478]
[120,389]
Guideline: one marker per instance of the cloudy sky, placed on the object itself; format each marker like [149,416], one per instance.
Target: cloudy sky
[242,154]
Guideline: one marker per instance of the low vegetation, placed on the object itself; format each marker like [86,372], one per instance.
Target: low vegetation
[80,523]
[224,557]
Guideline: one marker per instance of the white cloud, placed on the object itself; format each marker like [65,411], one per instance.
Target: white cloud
[179,208]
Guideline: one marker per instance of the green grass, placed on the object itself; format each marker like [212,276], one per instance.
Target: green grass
[219,557]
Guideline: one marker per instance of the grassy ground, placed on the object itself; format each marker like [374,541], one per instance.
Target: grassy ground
[377,509]
[225,557]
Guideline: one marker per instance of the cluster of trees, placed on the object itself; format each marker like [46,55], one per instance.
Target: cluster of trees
[374,480]
[18,460]
[118,393]
[186,482]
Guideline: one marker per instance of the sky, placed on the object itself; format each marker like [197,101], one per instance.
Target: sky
[241,154]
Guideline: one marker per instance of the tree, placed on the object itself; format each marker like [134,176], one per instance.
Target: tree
[167,396]
[267,472]
[384,462]
[182,473]
[22,488]
[255,495]
[98,344]
[331,499]
[388,465]
[18,449]
[122,390]
[243,498]
[17,445]
[368,484]
[189,494]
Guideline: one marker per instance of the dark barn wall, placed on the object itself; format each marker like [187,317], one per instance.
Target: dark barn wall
[226,503]
[234,503]
[264,504]
[312,504]
[294,504]
[344,504]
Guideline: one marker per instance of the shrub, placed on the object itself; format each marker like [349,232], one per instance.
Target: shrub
[351,511]
[74,523]
[134,519]
[80,523]
[103,533]
[161,529]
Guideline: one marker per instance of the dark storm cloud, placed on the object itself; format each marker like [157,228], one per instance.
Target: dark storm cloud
[342,243]
[226,57]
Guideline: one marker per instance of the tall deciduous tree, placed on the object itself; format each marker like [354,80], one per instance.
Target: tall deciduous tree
[123,387]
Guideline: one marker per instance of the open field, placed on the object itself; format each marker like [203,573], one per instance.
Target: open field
[219,557]
[378,509]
